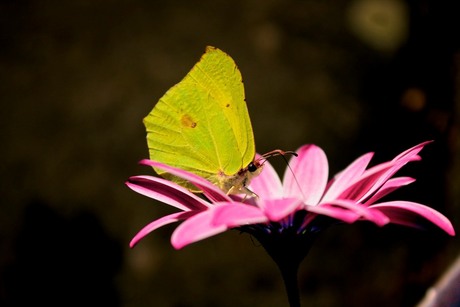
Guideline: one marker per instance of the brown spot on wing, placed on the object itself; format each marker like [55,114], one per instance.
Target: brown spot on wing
[188,121]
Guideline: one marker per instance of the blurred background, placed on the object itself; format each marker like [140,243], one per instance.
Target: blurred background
[350,76]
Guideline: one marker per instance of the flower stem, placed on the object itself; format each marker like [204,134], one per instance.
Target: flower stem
[289,273]
[288,250]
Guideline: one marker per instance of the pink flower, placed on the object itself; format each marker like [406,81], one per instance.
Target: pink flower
[293,210]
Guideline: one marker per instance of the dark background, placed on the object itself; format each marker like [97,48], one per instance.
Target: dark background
[351,76]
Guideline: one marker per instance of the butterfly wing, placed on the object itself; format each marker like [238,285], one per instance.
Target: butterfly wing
[202,123]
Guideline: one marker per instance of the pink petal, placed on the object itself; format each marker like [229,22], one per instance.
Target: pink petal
[373,178]
[411,151]
[167,192]
[267,184]
[337,213]
[211,191]
[366,213]
[388,187]
[410,214]
[361,185]
[196,228]
[343,179]
[308,177]
[159,223]
[387,175]
[234,215]
[278,209]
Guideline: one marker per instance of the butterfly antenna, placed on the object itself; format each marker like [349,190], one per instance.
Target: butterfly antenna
[277,152]
[294,176]
[282,153]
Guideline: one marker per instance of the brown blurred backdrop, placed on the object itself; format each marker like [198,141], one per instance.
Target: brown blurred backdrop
[351,76]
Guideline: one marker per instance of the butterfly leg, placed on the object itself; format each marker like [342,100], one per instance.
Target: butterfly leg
[242,190]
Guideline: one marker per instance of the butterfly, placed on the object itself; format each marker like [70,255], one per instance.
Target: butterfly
[202,125]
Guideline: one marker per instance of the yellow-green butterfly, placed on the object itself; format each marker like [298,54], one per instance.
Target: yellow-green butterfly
[202,125]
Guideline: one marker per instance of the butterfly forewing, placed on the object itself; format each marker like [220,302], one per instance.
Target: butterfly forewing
[202,123]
